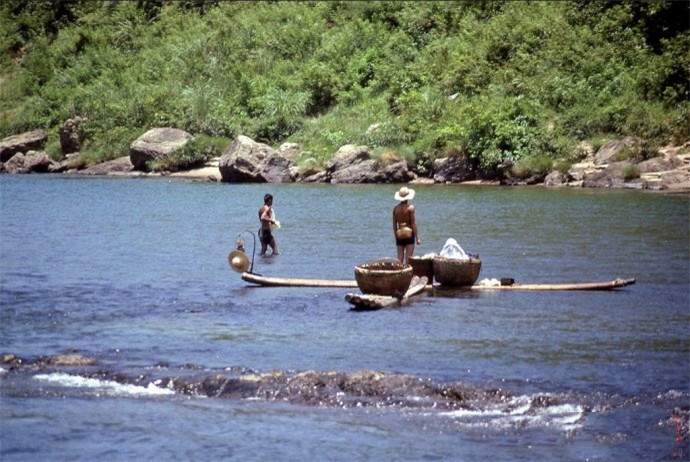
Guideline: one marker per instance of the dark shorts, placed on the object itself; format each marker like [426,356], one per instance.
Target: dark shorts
[265,236]
[404,242]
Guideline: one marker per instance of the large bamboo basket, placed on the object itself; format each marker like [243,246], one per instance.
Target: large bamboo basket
[423,266]
[383,277]
[450,272]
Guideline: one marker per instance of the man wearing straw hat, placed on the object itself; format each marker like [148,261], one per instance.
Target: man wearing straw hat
[405,225]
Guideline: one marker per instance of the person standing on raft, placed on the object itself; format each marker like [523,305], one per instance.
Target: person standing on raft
[405,225]
[268,221]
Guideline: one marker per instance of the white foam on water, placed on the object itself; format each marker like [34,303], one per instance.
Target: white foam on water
[108,387]
[2,370]
[519,412]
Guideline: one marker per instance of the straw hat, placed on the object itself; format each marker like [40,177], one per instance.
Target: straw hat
[404,194]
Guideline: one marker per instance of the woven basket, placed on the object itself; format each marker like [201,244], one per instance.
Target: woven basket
[450,272]
[423,267]
[383,277]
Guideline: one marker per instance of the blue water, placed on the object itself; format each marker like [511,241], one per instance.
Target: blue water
[134,273]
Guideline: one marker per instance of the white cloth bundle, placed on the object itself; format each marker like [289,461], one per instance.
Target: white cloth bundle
[451,249]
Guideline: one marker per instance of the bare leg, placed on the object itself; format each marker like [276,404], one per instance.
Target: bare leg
[409,251]
[274,247]
[401,253]
[263,249]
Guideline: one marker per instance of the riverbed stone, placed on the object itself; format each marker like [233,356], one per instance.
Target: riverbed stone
[156,144]
[23,142]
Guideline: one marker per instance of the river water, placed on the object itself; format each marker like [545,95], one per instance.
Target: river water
[133,273]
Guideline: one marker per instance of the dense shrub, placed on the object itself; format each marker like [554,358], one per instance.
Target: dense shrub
[497,81]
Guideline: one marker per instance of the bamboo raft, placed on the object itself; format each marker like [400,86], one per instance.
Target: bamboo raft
[266,281]
[374,302]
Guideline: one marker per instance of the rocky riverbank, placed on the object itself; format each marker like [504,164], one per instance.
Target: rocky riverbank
[620,163]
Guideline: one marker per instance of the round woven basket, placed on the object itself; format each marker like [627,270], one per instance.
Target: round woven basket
[423,266]
[450,272]
[383,277]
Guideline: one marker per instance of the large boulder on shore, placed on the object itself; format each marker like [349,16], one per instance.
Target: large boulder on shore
[347,156]
[155,144]
[15,164]
[23,142]
[31,162]
[120,165]
[72,135]
[37,162]
[609,152]
[353,164]
[555,179]
[612,176]
[248,161]
[453,169]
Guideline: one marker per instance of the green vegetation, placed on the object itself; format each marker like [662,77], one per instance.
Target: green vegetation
[495,81]
[532,165]
[630,172]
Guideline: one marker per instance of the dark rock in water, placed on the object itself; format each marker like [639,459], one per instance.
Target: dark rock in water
[72,135]
[155,144]
[120,165]
[9,358]
[453,169]
[70,360]
[23,142]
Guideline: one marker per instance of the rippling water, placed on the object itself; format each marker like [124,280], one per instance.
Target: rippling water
[133,273]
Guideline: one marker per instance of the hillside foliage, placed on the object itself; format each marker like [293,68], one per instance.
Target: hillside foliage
[490,80]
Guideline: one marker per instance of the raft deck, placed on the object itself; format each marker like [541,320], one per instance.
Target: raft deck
[343,283]
[374,302]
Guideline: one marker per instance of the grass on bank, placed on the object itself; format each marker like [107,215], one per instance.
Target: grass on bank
[517,81]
